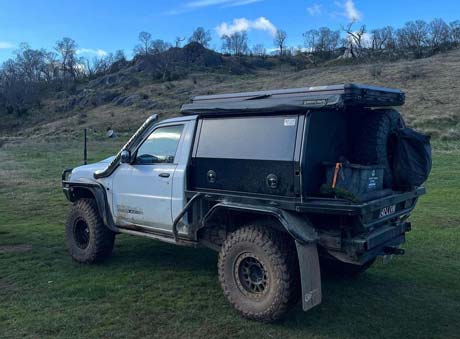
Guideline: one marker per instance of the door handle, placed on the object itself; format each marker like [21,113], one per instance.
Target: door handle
[164,175]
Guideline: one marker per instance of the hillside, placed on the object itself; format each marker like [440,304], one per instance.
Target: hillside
[123,99]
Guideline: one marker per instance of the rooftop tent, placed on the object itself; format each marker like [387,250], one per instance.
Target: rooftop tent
[295,99]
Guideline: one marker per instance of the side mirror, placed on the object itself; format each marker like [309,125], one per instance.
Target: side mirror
[125,156]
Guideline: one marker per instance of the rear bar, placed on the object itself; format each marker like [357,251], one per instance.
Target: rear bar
[344,207]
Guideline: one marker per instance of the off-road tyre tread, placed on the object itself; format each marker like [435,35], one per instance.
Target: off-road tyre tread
[282,256]
[102,239]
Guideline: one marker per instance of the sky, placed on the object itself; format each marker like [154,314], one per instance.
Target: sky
[102,26]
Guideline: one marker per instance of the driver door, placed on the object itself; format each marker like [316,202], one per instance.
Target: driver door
[142,190]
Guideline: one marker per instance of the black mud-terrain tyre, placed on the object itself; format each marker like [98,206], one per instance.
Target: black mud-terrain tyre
[335,268]
[88,239]
[373,144]
[259,273]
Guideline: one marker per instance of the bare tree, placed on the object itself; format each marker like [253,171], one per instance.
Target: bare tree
[102,65]
[144,46]
[89,67]
[15,92]
[389,35]
[322,41]
[439,34]
[381,40]
[310,40]
[178,41]
[236,43]
[455,32]
[280,40]
[23,79]
[378,39]
[320,44]
[29,62]
[67,48]
[201,36]
[119,56]
[259,50]
[413,36]
[50,66]
[356,42]
[159,46]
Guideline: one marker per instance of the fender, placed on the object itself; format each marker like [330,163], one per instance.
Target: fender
[305,239]
[99,194]
[298,227]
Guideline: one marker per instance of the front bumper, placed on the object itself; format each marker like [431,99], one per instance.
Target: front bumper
[65,187]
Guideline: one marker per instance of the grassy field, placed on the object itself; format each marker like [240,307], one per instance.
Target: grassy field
[150,289]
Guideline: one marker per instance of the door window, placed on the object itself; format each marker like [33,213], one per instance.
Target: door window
[160,146]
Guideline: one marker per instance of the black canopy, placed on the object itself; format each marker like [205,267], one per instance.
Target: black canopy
[295,99]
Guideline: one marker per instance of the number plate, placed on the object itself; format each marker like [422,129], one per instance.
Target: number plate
[387,211]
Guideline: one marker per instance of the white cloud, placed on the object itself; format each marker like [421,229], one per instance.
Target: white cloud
[99,52]
[351,12]
[243,24]
[315,9]
[6,45]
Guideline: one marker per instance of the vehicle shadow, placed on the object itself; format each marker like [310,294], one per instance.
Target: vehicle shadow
[156,255]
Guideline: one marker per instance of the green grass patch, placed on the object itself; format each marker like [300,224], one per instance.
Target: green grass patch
[151,289]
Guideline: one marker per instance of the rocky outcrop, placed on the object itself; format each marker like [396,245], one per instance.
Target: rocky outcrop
[87,99]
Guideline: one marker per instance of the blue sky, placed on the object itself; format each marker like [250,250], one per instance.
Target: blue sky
[101,26]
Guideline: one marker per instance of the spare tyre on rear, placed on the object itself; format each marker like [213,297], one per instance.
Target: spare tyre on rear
[373,144]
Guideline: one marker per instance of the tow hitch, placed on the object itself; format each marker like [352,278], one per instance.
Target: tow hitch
[392,250]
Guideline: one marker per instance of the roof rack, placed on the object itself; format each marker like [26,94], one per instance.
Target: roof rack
[294,99]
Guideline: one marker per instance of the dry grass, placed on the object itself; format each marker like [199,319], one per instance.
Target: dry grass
[431,87]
